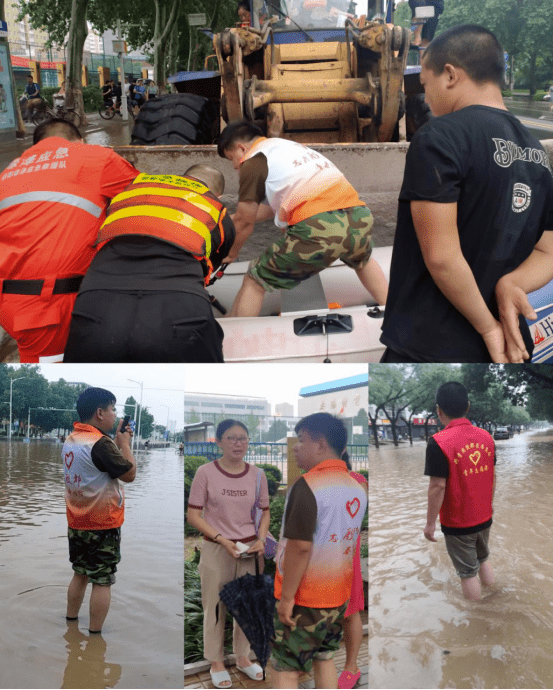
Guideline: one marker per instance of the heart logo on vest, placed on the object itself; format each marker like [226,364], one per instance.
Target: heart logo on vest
[350,505]
[68,462]
[475,457]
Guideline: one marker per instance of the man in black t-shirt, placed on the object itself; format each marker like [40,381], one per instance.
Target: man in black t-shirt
[474,219]
[460,461]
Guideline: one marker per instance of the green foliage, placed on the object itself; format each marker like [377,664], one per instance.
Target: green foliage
[365,473]
[538,96]
[507,93]
[92,97]
[277,430]
[191,464]
[277,511]
[274,477]
[364,551]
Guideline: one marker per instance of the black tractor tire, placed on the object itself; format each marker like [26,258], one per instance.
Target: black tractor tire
[417,113]
[179,119]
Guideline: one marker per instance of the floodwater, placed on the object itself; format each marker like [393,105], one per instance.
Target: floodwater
[422,632]
[142,640]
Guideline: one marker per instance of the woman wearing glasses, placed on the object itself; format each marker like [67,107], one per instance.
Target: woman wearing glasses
[225,490]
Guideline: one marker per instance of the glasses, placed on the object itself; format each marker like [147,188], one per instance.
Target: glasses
[237,439]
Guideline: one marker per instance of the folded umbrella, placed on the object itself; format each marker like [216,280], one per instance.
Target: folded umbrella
[250,600]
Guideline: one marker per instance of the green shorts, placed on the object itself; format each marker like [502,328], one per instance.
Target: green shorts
[313,244]
[316,636]
[468,551]
[95,553]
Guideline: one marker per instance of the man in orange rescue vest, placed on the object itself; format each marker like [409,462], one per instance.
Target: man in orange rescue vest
[143,298]
[94,465]
[460,461]
[52,203]
[312,203]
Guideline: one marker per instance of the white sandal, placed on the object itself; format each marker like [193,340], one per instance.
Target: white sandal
[251,671]
[220,677]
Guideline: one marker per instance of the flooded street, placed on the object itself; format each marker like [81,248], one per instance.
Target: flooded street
[422,632]
[142,640]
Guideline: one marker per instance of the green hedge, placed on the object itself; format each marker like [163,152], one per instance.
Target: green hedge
[538,96]
[92,96]
[274,477]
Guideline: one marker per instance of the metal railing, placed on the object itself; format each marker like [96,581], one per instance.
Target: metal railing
[273,454]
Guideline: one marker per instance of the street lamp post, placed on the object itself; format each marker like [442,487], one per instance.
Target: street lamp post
[12,381]
[167,425]
[141,384]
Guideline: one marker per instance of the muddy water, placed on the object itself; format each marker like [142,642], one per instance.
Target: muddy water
[142,640]
[422,632]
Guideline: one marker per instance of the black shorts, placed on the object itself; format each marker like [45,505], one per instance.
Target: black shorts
[111,326]
[95,553]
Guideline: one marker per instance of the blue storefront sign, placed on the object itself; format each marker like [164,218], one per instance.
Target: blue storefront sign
[7,107]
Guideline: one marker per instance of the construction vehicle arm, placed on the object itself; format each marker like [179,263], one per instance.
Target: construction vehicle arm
[244,221]
[438,236]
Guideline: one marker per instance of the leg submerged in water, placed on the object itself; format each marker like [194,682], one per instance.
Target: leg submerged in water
[486,574]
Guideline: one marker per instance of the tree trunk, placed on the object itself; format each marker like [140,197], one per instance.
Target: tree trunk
[166,17]
[533,58]
[174,49]
[78,31]
[375,432]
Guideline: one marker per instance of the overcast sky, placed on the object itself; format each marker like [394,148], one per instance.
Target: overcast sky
[275,382]
[163,384]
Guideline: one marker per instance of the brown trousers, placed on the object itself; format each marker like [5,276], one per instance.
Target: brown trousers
[216,568]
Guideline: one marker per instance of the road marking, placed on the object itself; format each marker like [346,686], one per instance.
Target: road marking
[547,126]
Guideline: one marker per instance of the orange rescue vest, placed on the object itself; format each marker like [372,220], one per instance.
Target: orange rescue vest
[178,210]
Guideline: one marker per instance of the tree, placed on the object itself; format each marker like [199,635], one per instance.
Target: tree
[361,419]
[78,31]
[277,430]
[390,386]
[193,416]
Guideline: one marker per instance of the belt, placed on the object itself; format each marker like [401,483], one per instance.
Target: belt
[244,541]
[62,286]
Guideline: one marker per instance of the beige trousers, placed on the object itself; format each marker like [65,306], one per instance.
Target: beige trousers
[216,568]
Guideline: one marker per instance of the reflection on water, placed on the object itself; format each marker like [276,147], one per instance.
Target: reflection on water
[422,632]
[142,640]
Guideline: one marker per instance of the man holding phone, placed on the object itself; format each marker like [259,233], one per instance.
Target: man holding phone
[94,465]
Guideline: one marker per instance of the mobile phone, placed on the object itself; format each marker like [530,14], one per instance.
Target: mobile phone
[125,423]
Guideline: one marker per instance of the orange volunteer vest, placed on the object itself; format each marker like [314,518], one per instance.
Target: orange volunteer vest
[178,210]
[93,499]
[470,453]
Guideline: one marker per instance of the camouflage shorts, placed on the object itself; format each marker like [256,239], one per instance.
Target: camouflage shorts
[313,244]
[95,553]
[316,636]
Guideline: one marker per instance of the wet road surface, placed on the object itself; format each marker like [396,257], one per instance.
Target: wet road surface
[142,640]
[422,632]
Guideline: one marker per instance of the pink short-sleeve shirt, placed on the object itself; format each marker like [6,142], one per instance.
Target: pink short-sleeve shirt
[227,499]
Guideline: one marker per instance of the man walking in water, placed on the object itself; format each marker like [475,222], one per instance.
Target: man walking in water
[93,464]
[460,462]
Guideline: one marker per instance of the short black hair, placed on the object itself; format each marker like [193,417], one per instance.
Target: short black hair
[452,398]
[30,76]
[226,424]
[245,4]
[56,128]
[91,399]
[237,131]
[323,424]
[471,47]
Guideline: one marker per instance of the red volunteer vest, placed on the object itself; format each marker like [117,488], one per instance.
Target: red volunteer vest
[470,453]
[178,210]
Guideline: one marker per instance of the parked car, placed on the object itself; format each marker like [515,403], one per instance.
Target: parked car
[501,433]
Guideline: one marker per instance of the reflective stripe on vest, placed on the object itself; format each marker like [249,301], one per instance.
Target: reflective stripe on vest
[162,213]
[192,197]
[190,214]
[59,197]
